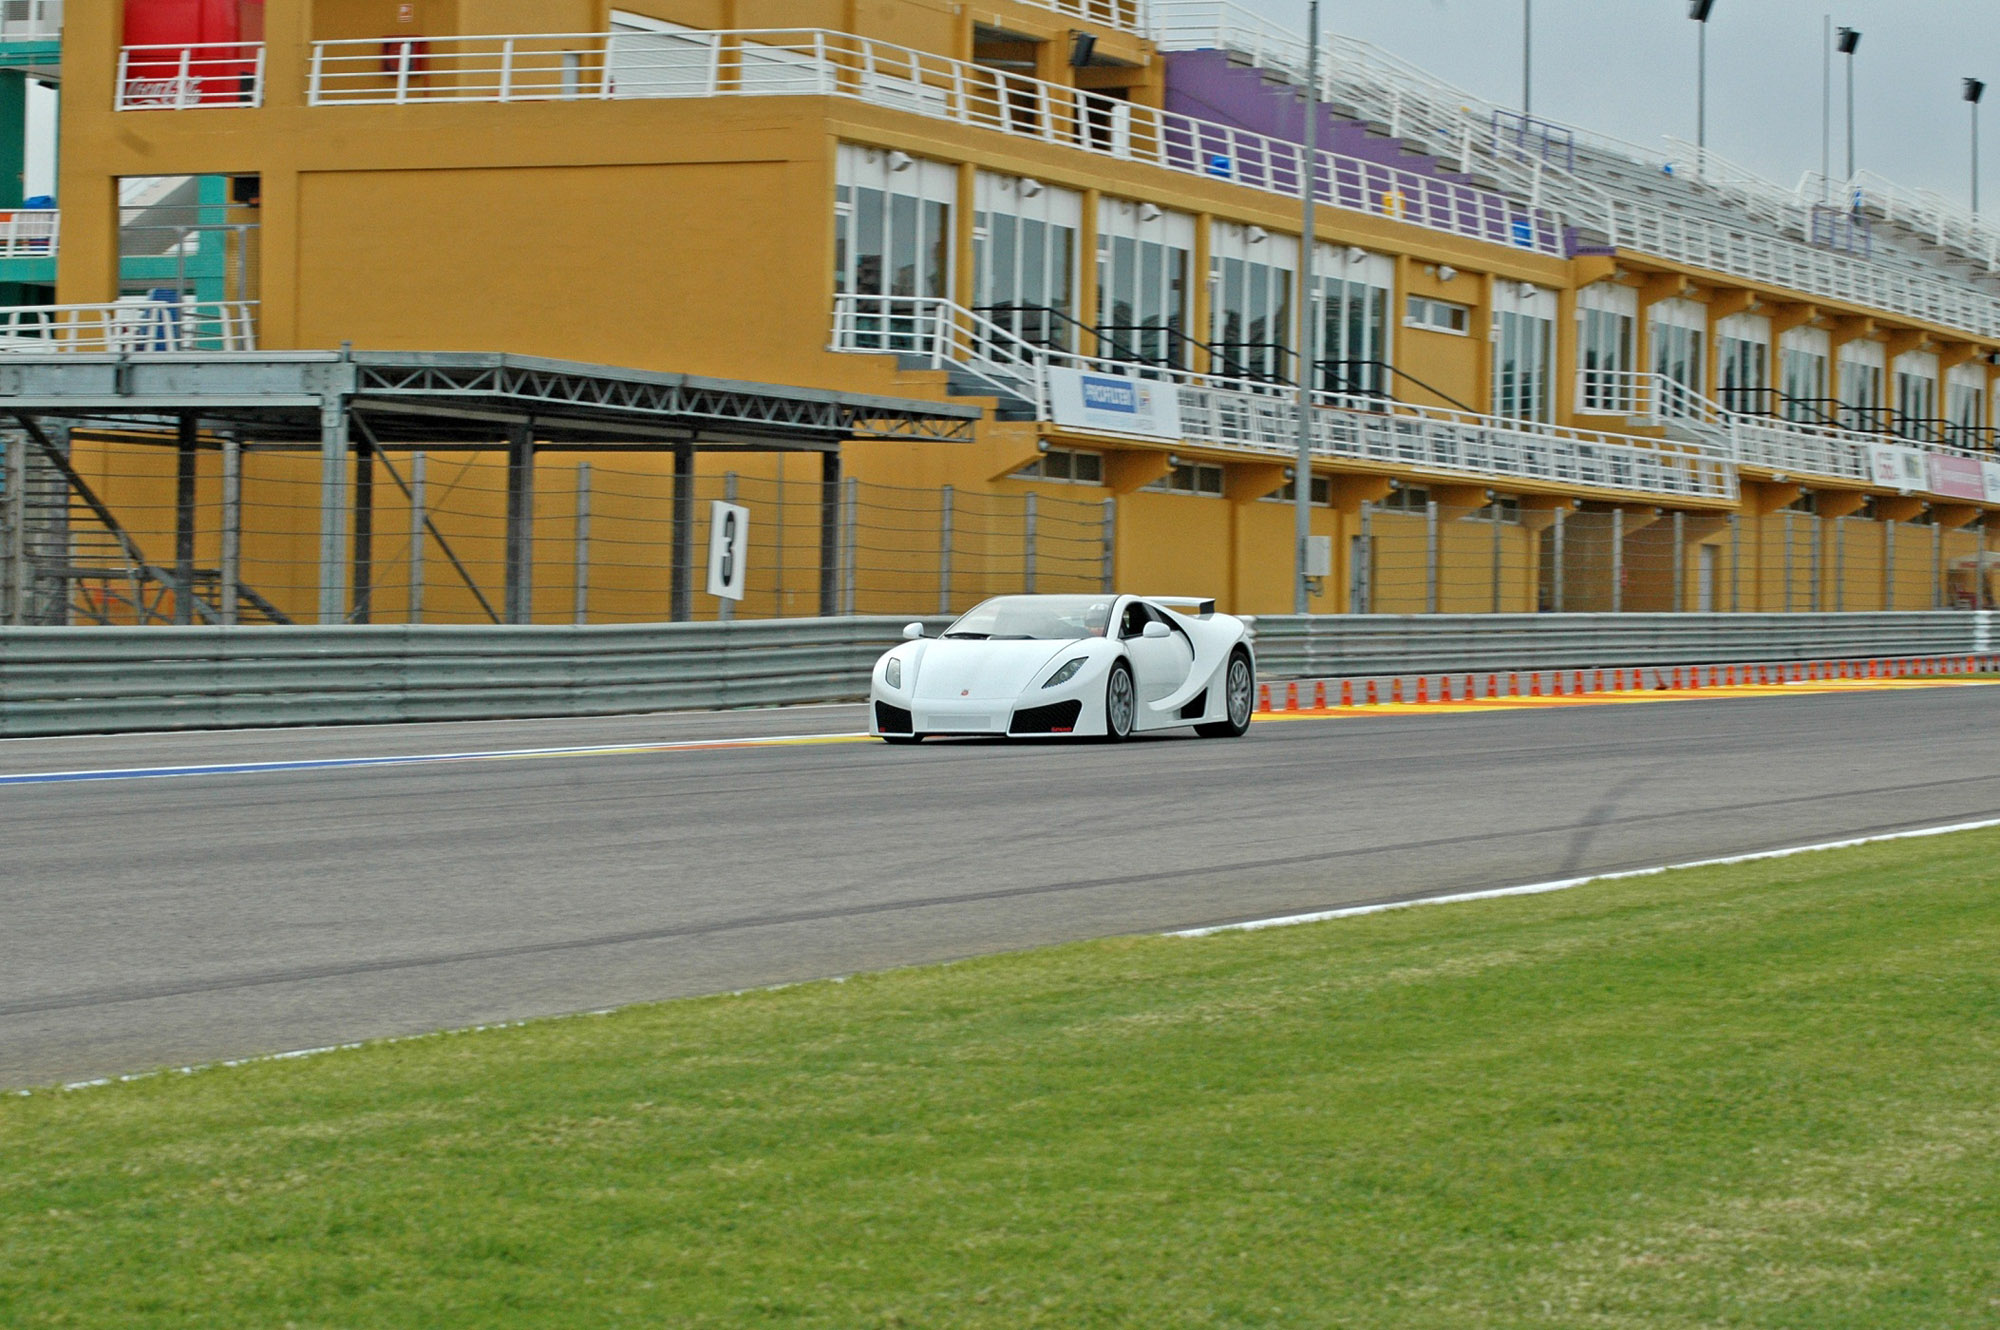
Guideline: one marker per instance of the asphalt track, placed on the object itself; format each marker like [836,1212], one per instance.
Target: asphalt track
[181,919]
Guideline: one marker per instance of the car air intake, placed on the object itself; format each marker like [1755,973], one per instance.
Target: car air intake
[1056,718]
[1194,709]
[892,720]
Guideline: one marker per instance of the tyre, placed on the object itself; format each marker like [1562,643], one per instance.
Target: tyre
[1121,703]
[1239,689]
[902,738]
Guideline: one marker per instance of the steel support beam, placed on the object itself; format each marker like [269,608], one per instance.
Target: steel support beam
[829,534]
[682,593]
[14,528]
[187,442]
[226,594]
[520,582]
[333,426]
[364,533]
[725,608]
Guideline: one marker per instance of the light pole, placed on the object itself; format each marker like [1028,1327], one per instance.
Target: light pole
[1527,58]
[1974,90]
[1825,103]
[1308,325]
[1849,39]
[1698,10]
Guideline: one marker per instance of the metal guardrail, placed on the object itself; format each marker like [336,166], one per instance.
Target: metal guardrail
[1381,644]
[103,680]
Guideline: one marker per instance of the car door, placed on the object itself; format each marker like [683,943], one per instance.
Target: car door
[1159,664]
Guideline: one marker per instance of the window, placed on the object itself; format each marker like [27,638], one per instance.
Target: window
[1354,320]
[1252,272]
[1605,356]
[1916,396]
[1322,492]
[1500,510]
[1068,464]
[1742,360]
[1802,378]
[891,238]
[1524,336]
[1407,499]
[1965,406]
[1861,370]
[1438,315]
[1144,255]
[1190,478]
[1679,329]
[1024,245]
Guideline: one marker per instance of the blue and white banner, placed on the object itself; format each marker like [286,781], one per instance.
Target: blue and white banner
[1114,404]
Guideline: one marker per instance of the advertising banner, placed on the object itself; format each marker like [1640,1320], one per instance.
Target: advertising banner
[1991,472]
[1898,468]
[1114,404]
[1957,477]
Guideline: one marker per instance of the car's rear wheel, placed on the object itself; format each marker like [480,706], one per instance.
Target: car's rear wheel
[1121,703]
[902,738]
[1239,688]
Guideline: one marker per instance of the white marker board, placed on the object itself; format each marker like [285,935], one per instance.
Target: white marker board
[728,550]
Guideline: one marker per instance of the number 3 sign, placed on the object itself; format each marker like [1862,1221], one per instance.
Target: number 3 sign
[728,548]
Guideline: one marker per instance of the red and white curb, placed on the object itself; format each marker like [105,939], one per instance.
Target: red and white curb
[1480,686]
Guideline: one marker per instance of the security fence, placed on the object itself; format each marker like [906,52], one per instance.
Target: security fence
[1423,557]
[609,538]
[128,534]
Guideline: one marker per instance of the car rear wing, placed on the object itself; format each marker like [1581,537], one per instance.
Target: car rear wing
[1203,607]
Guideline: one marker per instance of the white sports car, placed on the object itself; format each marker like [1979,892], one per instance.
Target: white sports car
[1112,666]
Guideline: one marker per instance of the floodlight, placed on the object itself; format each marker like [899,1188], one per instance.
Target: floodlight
[1848,39]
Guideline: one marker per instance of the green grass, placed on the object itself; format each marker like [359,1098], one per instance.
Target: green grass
[1746,1097]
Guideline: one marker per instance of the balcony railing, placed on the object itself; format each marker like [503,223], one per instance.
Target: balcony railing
[764,63]
[1125,15]
[130,327]
[180,78]
[31,20]
[1261,419]
[1768,442]
[29,233]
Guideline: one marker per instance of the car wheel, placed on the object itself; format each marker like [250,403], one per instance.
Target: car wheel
[1239,690]
[902,738]
[1121,703]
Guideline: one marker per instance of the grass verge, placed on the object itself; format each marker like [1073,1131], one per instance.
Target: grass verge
[1764,1095]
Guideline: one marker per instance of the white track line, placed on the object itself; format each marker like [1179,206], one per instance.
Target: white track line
[1564,884]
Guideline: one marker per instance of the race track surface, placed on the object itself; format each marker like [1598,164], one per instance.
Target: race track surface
[185,919]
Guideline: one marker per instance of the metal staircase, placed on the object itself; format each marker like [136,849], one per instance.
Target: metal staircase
[65,558]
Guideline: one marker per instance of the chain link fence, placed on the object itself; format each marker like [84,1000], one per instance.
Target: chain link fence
[608,539]
[127,536]
[1432,558]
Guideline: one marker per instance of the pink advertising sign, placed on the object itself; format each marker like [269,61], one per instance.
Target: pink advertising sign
[1957,477]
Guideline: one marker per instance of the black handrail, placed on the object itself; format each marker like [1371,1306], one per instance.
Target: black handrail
[1379,367]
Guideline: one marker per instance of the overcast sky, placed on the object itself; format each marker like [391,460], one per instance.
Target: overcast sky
[1627,67]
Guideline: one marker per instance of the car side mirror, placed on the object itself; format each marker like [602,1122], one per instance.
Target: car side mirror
[1157,629]
[913,631]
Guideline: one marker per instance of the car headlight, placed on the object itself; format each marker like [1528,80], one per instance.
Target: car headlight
[1067,672]
[892,673]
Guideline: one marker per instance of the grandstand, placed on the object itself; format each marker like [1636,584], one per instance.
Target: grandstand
[1554,370]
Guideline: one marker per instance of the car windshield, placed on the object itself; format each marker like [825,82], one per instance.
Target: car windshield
[1035,618]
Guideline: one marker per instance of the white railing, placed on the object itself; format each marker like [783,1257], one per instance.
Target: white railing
[180,78]
[130,326]
[1219,411]
[29,233]
[1941,220]
[31,20]
[1460,127]
[1786,447]
[762,63]
[1124,15]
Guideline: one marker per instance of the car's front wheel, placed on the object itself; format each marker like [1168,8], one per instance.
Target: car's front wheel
[1121,703]
[1239,688]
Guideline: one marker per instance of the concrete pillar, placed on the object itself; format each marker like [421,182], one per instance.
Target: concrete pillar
[681,594]
[829,533]
[186,459]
